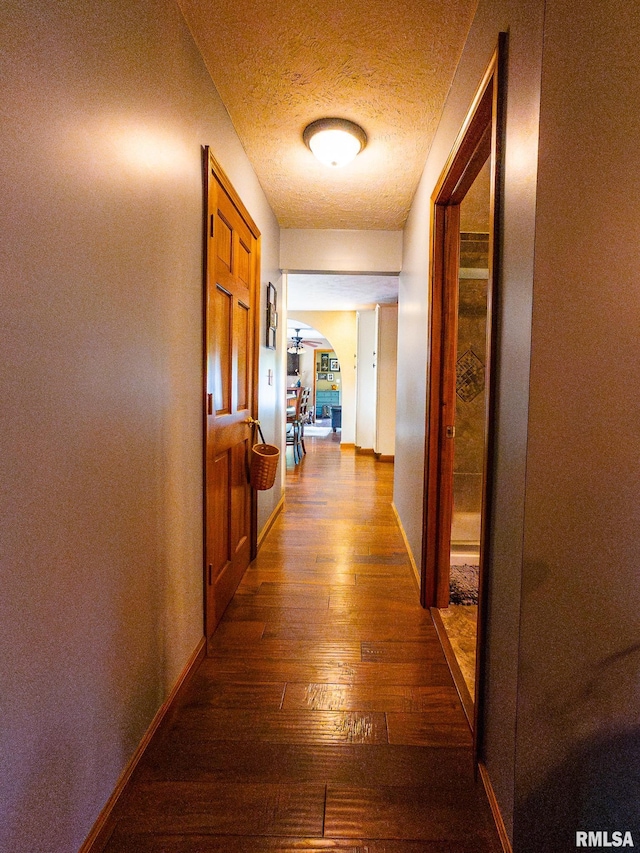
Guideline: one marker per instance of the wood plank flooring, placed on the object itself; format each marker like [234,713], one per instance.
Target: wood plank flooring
[324,717]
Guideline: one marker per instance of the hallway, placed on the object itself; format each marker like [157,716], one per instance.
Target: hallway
[325,717]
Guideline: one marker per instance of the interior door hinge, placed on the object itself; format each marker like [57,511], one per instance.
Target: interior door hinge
[209,574]
[211,225]
[209,404]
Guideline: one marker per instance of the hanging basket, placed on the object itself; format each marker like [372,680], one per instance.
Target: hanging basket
[264,463]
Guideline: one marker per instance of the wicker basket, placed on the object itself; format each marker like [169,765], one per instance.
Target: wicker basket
[264,463]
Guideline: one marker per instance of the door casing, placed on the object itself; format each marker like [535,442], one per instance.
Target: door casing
[480,136]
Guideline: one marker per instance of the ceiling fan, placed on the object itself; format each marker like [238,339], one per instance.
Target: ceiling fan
[296,343]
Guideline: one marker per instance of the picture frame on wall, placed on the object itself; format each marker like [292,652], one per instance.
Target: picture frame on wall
[324,361]
[334,365]
[322,376]
[272,316]
[329,377]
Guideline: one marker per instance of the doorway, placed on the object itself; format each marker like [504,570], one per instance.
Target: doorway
[470,434]
[462,345]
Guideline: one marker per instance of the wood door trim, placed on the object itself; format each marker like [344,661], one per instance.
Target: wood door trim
[456,173]
[499,63]
[481,134]
[221,175]
[469,137]
[447,399]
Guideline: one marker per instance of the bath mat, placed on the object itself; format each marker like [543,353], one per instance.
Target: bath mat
[463,585]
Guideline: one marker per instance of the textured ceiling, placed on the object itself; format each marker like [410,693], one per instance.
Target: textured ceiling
[280,64]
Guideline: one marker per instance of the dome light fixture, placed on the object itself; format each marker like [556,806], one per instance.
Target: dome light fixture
[334,141]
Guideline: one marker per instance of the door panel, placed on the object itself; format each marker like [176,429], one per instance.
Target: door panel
[232,258]
[244,262]
[219,497]
[224,242]
[242,336]
[222,310]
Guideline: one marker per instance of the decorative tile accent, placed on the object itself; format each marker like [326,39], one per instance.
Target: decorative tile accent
[469,376]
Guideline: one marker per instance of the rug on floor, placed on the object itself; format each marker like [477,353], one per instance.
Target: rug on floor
[318,432]
[463,584]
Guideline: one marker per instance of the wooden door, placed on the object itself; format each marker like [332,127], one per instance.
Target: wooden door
[231,272]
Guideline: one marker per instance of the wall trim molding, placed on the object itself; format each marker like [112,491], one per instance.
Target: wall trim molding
[103,827]
[382,457]
[271,521]
[414,568]
[495,809]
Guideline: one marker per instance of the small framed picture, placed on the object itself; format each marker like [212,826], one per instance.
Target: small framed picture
[334,365]
[329,377]
[324,361]
[322,376]
[272,316]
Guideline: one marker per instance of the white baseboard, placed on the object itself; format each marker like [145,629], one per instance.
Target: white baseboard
[414,567]
[270,521]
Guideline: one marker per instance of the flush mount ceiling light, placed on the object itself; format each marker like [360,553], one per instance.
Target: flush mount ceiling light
[334,141]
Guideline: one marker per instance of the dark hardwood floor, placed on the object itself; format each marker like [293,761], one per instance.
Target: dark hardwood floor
[325,717]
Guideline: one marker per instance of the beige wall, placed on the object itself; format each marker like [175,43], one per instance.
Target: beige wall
[104,113]
[366,403]
[578,746]
[330,250]
[272,378]
[561,692]
[105,109]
